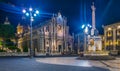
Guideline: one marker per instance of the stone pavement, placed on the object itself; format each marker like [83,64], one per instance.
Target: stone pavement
[113,65]
[50,64]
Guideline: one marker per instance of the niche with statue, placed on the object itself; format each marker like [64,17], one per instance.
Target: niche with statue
[95,44]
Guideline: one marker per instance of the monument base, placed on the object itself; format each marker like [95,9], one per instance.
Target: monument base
[114,52]
[96,53]
[95,43]
[96,58]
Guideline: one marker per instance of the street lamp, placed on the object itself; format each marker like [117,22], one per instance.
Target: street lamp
[31,13]
[37,12]
[86,30]
[30,9]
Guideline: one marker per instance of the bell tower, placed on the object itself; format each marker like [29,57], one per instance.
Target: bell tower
[6,21]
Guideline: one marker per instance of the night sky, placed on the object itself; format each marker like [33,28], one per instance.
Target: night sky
[78,12]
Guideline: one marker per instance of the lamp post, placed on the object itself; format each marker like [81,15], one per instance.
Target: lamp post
[86,30]
[29,12]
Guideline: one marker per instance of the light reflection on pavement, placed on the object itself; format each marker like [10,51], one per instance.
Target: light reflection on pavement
[72,61]
[65,61]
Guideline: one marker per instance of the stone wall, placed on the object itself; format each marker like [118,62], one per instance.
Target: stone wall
[14,54]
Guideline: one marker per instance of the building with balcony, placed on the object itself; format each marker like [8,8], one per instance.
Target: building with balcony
[112,37]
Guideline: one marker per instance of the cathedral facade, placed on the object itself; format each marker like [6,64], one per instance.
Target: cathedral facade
[51,36]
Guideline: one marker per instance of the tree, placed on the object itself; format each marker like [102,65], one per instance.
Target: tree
[6,32]
[8,43]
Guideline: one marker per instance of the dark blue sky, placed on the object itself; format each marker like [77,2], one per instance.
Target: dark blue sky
[78,12]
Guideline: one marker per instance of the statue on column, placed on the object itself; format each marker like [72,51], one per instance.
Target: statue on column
[95,42]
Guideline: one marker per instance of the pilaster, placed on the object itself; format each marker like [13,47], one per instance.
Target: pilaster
[114,38]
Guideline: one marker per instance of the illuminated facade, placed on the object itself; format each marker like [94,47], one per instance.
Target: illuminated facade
[112,37]
[51,36]
[19,36]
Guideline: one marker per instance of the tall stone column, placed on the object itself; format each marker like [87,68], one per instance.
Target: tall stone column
[38,40]
[85,42]
[55,40]
[63,38]
[105,37]
[72,42]
[65,35]
[78,43]
[93,19]
[114,39]
[50,33]
[44,39]
[93,15]
[53,33]
[55,36]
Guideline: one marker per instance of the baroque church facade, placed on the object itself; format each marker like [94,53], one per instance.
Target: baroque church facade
[51,36]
